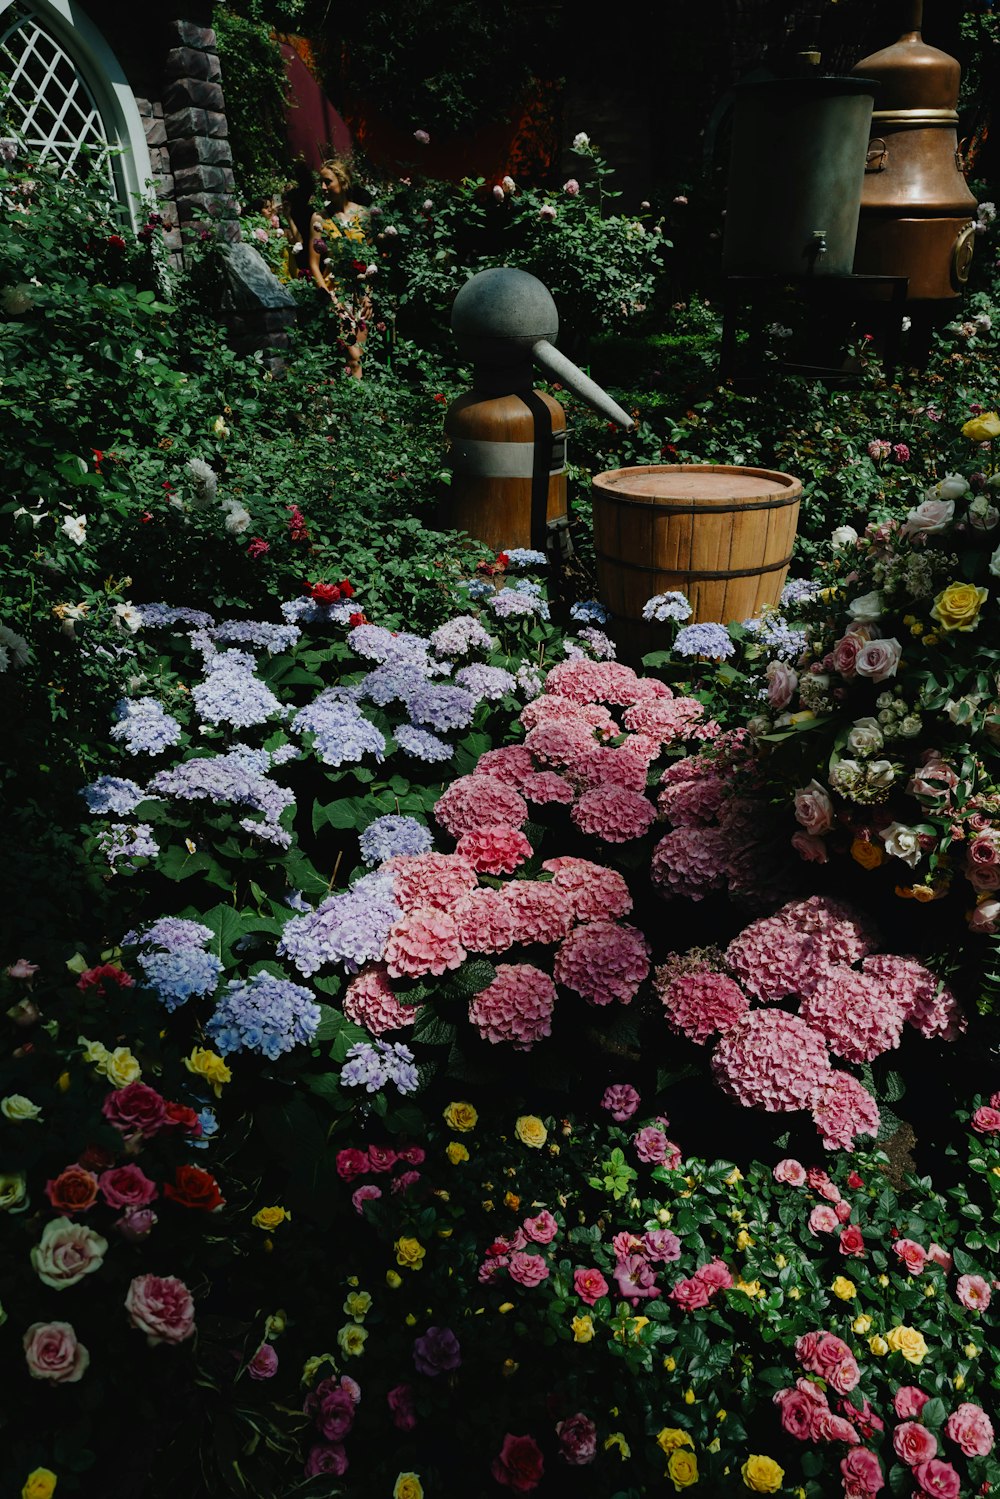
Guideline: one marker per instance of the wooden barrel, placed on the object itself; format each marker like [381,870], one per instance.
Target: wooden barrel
[722,536]
[508,461]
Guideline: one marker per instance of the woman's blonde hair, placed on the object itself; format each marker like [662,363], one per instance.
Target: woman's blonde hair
[340,170]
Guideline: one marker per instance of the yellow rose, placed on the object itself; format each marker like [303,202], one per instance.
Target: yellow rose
[583,1329]
[957,606]
[456,1152]
[689,1397]
[878,1346]
[749,1288]
[633,1328]
[407,1486]
[512,1201]
[18,1109]
[41,1484]
[617,1439]
[409,1253]
[94,1051]
[868,855]
[736,1175]
[210,1066]
[971,1351]
[794,1292]
[461,1117]
[275,1325]
[670,1363]
[861,1324]
[358,1305]
[13,1192]
[531,1131]
[780,1261]
[844,1288]
[672,1437]
[743,1240]
[682,1469]
[509,1367]
[120,1067]
[982,428]
[762,1474]
[909,1342]
[351,1339]
[883,1280]
[393,1280]
[272,1217]
[313,1365]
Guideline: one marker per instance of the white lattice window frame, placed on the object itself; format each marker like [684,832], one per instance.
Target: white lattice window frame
[105,81]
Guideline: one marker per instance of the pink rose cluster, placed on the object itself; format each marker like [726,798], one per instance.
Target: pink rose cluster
[332,1405]
[695,1291]
[806,1414]
[828,1356]
[379,1162]
[518,1255]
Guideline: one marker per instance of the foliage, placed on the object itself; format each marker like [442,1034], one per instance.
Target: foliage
[253,76]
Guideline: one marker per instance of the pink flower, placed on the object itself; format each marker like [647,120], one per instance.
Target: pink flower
[823,1220]
[264,1364]
[859,1017]
[519,1465]
[162,1307]
[973,1292]
[938,1480]
[371,1002]
[653,1148]
[440,880]
[913,1443]
[878,448]
[972,1429]
[495,849]
[852,1241]
[878,659]
[136,1224]
[844,1109]
[621,1101]
[828,1356]
[517,1006]
[701,1003]
[929,1005]
[528,1269]
[135,1110]
[715,1274]
[666,720]
[813,808]
[547,212]
[810,847]
[909,1401]
[791,1172]
[845,653]
[594,892]
[782,681]
[900,452]
[53,1353]
[912,1254]
[421,137]
[690,1294]
[940,1256]
[127,1187]
[571,187]
[351,1163]
[772,1061]
[476,801]
[541,1229]
[21,969]
[553,707]
[540,910]
[401,1407]
[511,764]
[589,1285]
[423,942]
[326,1458]
[862,1473]
[603,961]
[484,922]
[613,813]
[381,1158]
[986,1120]
[820,1182]
[636,1279]
[691,861]
[661,1245]
[577,1440]
[544,786]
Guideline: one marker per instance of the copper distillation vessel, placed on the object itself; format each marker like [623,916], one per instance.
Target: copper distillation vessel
[916,208]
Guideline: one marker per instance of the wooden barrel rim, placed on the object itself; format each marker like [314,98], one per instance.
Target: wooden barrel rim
[707,507]
[773,480]
[684,572]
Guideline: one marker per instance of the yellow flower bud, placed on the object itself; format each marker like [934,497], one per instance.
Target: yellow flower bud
[844,1289]
[670,1363]
[862,1323]
[878,1345]
[689,1397]
[393,1280]
[505,1307]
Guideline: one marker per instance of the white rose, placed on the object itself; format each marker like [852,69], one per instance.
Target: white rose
[865,738]
[813,808]
[866,608]
[17,1108]
[581,141]
[960,710]
[844,536]
[930,517]
[845,775]
[995,563]
[902,843]
[881,774]
[237,518]
[951,487]
[128,617]
[75,527]
[982,515]
[910,727]
[879,659]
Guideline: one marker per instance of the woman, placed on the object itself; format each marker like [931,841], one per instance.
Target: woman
[337,256]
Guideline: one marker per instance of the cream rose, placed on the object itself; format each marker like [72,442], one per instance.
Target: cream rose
[902,843]
[878,659]
[867,608]
[813,808]
[18,1109]
[865,738]
[844,536]
[930,517]
[52,1352]
[67,1252]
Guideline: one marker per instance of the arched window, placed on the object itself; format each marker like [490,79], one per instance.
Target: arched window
[64,94]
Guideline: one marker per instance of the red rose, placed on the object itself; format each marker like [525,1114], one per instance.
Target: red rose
[346,588]
[194,1188]
[357,619]
[324,593]
[99,978]
[179,1116]
[73,1190]
[854,1181]
[351,1163]
[116,242]
[136,1109]
[519,1464]
[96,1158]
[852,1241]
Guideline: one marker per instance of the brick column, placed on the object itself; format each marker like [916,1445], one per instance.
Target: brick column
[195,130]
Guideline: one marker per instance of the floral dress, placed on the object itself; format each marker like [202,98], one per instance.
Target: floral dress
[342,249]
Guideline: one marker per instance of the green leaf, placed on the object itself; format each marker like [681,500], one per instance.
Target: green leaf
[227,927]
[432,1031]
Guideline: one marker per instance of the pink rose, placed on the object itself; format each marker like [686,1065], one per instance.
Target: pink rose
[972,1429]
[66,1252]
[843,1212]
[401,1407]
[985,919]
[810,847]
[852,1241]
[878,659]
[135,1110]
[53,1353]
[577,1440]
[264,1364]
[913,1443]
[813,808]
[933,781]
[351,1163]
[909,1401]
[986,1120]
[938,1480]
[781,684]
[940,1256]
[913,1256]
[621,1101]
[589,1285]
[626,1243]
[930,517]
[636,1279]
[543,1229]
[162,1307]
[823,1220]
[136,1224]
[821,1183]
[326,1457]
[798,1411]
[973,1292]
[571,188]
[21,969]
[421,137]
[127,1187]
[651,1146]
[690,1294]
[845,652]
[381,1158]
[716,1275]
[366,1193]
[862,1473]
[528,1269]
[660,1245]
[791,1172]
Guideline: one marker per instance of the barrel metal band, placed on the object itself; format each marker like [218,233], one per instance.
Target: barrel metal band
[703,509]
[685,572]
[915,116]
[483,459]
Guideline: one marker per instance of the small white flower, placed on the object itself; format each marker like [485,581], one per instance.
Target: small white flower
[582,140]
[508,184]
[844,536]
[75,527]
[370,271]
[237,518]
[128,617]
[866,608]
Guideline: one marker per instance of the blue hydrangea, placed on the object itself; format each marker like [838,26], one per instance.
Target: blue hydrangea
[706,639]
[376,643]
[525,557]
[306,611]
[171,933]
[478,588]
[372,1064]
[590,612]
[342,735]
[296,901]
[161,616]
[265,1014]
[796,590]
[527,585]
[391,684]
[349,928]
[125,841]
[231,693]
[112,794]
[175,977]
[144,727]
[666,606]
[209,1127]
[440,706]
[490,682]
[779,637]
[395,834]
[422,745]
[237,777]
[511,603]
[529,681]
[273,638]
[461,636]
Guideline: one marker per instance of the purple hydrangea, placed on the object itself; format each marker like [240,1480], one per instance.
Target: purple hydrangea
[423,745]
[376,643]
[232,694]
[171,933]
[237,777]
[306,611]
[264,1013]
[341,733]
[490,682]
[438,705]
[512,603]
[161,616]
[796,590]
[529,681]
[391,683]
[351,928]
[176,976]
[784,642]
[125,841]
[461,636]
[706,639]
[372,1064]
[112,794]
[599,645]
[395,834]
[144,727]
[525,557]
[666,606]
[273,638]
[590,612]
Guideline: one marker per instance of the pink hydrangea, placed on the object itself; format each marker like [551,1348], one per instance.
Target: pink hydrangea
[495,849]
[971,1428]
[772,1061]
[550,706]
[540,910]
[545,786]
[665,719]
[423,942]
[841,934]
[600,765]
[509,764]
[559,741]
[690,861]
[692,792]
[771,959]
[930,1005]
[476,801]
[516,1007]
[651,688]
[973,1292]
[439,880]
[699,1004]
[613,813]
[370,1001]
[603,961]
[484,922]
[859,1016]
[594,682]
[843,1110]
[621,1101]
[595,892]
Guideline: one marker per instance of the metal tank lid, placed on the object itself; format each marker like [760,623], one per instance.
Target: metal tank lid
[910,74]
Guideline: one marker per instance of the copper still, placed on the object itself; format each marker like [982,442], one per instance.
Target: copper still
[916,209]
